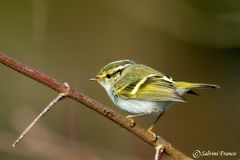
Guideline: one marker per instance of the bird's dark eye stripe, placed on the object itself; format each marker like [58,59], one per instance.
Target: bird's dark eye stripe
[118,71]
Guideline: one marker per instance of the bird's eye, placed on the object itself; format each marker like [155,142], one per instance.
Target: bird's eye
[108,76]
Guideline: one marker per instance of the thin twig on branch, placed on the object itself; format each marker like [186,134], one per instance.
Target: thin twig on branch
[46,109]
[159,152]
[94,105]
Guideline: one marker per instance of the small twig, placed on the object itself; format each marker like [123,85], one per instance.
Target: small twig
[94,105]
[46,109]
[159,152]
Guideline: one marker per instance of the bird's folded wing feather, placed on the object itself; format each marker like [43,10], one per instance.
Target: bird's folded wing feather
[151,88]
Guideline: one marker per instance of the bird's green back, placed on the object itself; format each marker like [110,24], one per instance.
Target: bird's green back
[144,83]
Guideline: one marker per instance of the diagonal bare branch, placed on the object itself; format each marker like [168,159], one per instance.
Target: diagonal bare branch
[46,109]
[94,105]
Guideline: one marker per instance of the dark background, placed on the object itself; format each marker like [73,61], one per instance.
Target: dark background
[190,40]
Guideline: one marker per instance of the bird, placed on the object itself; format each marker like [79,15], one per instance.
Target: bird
[141,90]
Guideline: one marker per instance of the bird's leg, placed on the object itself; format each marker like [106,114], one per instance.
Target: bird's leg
[152,126]
[133,116]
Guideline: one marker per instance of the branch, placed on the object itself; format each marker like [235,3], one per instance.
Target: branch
[159,152]
[46,109]
[94,105]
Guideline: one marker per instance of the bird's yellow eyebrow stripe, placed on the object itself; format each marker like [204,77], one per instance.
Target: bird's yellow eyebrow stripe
[138,85]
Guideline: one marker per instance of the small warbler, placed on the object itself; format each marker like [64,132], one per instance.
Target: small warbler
[141,90]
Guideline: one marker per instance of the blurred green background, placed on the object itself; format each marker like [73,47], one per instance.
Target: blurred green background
[190,40]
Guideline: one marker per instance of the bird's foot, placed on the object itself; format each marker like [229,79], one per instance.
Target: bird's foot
[149,130]
[132,121]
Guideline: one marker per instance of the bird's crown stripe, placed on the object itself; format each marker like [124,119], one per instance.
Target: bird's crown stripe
[121,67]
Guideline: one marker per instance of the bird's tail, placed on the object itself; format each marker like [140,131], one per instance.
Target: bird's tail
[188,85]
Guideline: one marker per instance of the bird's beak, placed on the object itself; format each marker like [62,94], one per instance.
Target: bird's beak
[94,79]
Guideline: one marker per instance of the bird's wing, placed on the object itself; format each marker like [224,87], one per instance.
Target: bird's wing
[151,88]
